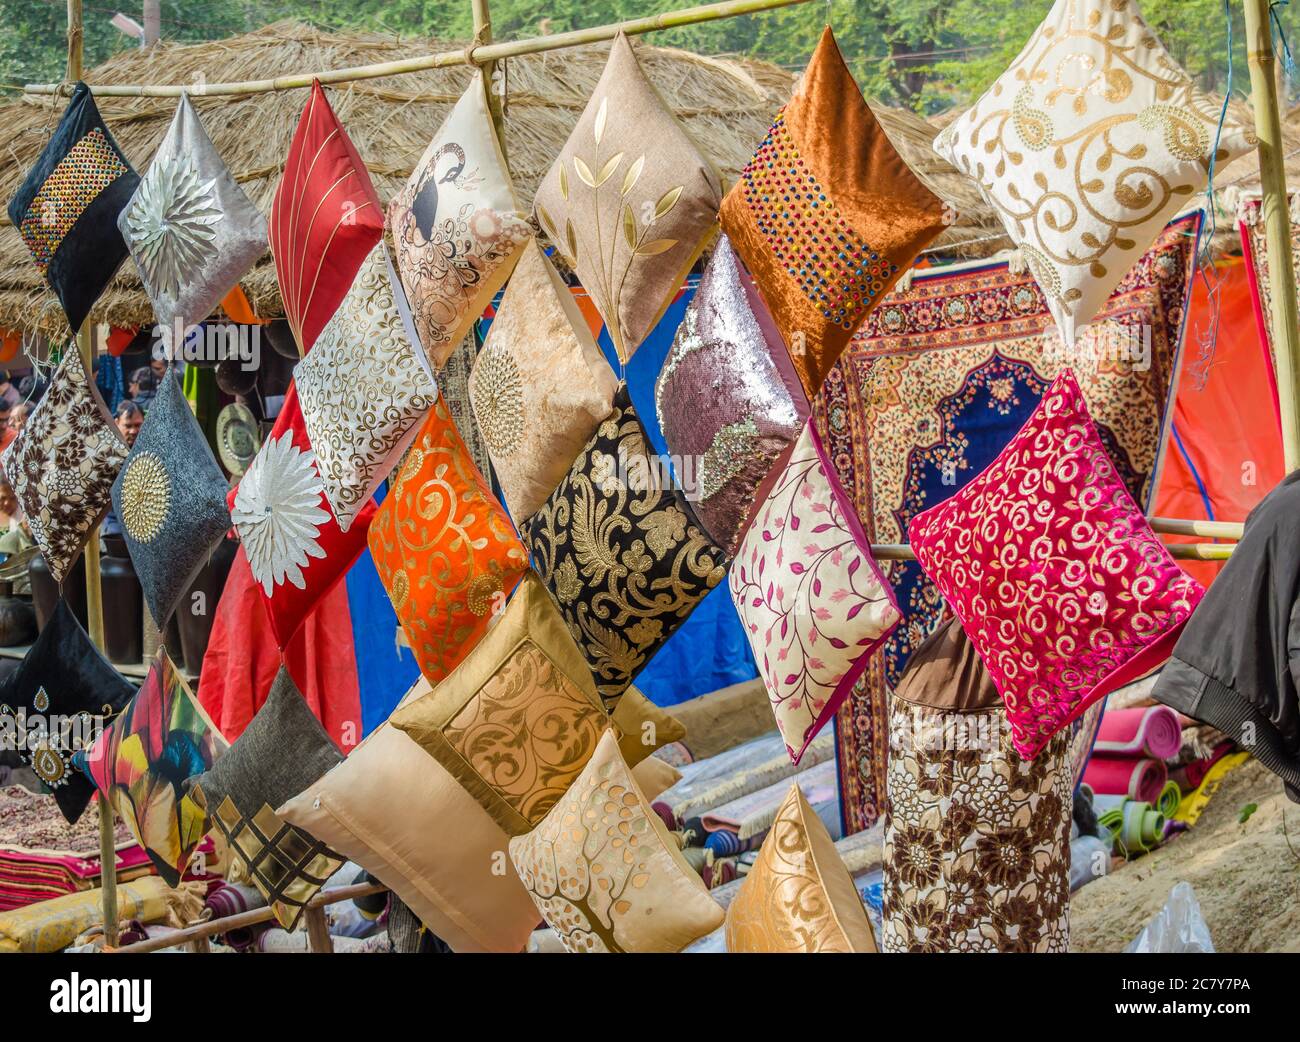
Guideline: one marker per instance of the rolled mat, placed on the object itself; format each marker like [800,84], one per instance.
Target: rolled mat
[1153,731]
[1195,802]
[1144,828]
[1170,796]
[1137,778]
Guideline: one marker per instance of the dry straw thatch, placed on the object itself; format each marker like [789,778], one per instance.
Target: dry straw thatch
[726,104]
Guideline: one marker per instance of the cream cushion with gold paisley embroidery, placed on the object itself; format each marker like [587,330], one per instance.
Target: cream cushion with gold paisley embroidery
[1091,140]
[798,897]
[540,385]
[363,388]
[604,871]
[630,202]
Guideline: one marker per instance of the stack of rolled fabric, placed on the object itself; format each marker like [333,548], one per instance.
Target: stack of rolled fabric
[1129,757]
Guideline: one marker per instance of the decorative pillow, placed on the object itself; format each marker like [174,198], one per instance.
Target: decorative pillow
[620,553]
[457,226]
[63,462]
[1086,146]
[283,751]
[519,718]
[295,547]
[143,759]
[1054,572]
[540,385]
[827,215]
[630,201]
[799,896]
[604,871]
[171,499]
[809,595]
[728,400]
[190,227]
[444,549]
[398,813]
[363,390]
[977,840]
[643,727]
[325,219]
[58,700]
[66,208]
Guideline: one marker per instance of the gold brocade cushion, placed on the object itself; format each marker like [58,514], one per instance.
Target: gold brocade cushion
[630,202]
[798,897]
[827,215]
[604,871]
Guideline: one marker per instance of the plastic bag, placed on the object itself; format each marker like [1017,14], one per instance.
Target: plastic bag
[1178,927]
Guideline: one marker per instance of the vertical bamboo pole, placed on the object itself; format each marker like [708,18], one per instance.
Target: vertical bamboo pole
[1284,321]
[94,594]
[483,35]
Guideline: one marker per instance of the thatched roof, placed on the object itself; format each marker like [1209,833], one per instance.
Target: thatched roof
[726,104]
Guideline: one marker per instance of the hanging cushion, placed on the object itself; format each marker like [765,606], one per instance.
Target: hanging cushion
[325,219]
[283,751]
[170,497]
[190,228]
[363,389]
[630,201]
[1086,145]
[143,759]
[1054,572]
[457,226]
[63,462]
[827,215]
[798,896]
[66,208]
[62,676]
[643,727]
[620,553]
[540,384]
[400,815]
[809,594]
[729,402]
[295,547]
[604,871]
[977,839]
[444,549]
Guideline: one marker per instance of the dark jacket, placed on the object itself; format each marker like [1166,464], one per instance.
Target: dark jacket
[1237,664]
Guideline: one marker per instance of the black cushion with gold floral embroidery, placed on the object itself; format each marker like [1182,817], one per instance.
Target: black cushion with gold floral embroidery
[56,702]
[66,209]
[620,552]
[281,752]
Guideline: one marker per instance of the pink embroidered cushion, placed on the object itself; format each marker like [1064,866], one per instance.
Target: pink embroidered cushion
[1054,572]
[809,594]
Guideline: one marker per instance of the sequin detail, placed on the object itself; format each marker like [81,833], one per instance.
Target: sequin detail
[837,270]
[90,166]
[732,447]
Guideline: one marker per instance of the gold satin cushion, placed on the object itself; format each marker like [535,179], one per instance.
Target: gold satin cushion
[405,819]
[643,727]
[604,871]
[798,897]
[630,202]
[827,215]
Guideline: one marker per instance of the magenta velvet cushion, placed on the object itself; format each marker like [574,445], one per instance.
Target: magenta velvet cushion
[1054,572]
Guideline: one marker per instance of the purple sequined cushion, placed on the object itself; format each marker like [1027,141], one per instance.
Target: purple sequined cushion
[729,401]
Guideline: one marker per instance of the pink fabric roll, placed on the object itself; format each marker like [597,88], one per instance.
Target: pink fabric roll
[1152,731]
[1136,777]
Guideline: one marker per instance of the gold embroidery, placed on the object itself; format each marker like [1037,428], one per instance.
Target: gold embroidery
[499,399]
[146,495]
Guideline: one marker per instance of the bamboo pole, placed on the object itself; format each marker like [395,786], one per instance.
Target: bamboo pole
[482,36]
[1284,321]
[472,55]
[1204,529]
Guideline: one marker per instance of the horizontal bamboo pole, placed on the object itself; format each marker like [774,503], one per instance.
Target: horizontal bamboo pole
[1182,551]
[1204,529]
[250,918]
[471,55]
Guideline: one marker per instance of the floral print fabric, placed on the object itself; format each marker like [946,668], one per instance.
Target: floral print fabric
[63,463]
[143,759]
[977,840]
[809,595]
[620,553]
[1054,572]
[444,549]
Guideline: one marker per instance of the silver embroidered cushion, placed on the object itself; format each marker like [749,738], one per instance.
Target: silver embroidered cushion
[190,228]
[363,387]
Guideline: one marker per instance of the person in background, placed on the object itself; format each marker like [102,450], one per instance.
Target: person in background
[143,386]
[18,416]
[8,392]
[14,533]
[31,389]
[7,433]
[11,514]
[129,419]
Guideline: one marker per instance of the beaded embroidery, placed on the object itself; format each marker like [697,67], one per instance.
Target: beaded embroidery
[834,267]
[90,166]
